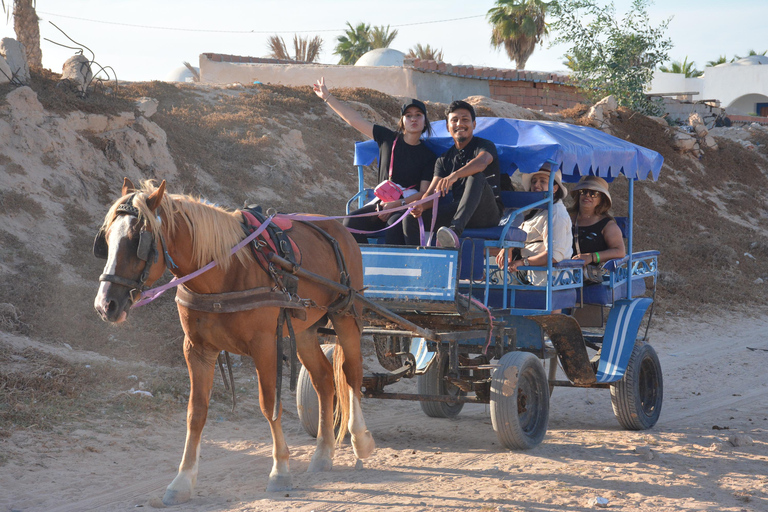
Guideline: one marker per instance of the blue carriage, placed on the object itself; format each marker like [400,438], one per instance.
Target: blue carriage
[470,333]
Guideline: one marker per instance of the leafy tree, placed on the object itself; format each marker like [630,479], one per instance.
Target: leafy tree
[355,42]
[612,56]
[686,68]
[425,53]
[381,37]
[518,26]
[26,24]
[304,49]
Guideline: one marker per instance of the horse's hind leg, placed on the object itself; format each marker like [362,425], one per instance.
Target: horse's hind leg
[200,363]
[321,373]
[348,333]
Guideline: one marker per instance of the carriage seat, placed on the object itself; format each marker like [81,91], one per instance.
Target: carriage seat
[603,294]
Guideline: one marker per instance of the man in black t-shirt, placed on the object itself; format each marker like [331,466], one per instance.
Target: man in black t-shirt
[469,171]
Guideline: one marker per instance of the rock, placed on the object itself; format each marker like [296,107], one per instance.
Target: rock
[741,440]
[5,71]
[683,141]
[147,106]
[659,120]
[16,56]
[603,108]
[645,452]
[77,70]
[25,106]
[759,280]
[716,447]
[701,130]
[599,502]
[695,119]
[710,142]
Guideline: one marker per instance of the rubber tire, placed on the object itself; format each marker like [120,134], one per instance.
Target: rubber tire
[307,403]
[637,398]
[519,382]
[432,383]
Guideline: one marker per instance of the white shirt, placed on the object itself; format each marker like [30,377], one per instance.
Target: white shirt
[536,241]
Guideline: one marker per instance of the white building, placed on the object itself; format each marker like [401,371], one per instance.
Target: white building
[741,87]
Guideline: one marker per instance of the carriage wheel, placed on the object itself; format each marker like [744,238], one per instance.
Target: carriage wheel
[637,397]
[519,401]
[307,403]
[432,382]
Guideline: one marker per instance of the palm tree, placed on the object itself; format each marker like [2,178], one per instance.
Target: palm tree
[750,54]
[720,60]
[425,53]
[355,42]
[519,26]
[26,24]
[686,68]
[381,37]
[305,50]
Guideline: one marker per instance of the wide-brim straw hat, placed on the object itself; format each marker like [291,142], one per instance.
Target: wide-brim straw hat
[526,179]
[593,183]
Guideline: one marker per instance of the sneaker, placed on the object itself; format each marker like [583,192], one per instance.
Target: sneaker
[447,238]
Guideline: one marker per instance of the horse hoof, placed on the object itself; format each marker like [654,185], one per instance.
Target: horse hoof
[364,445]
[279,483]
[175,497]
[320,464]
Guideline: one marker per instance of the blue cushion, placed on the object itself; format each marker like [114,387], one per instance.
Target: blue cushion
[601,294]
[494,233]
[528,299]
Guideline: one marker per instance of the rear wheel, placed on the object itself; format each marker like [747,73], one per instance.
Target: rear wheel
[519,401]
[432,382]
[637,398]
[307,403]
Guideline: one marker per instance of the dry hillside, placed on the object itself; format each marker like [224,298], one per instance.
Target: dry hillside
[62,161]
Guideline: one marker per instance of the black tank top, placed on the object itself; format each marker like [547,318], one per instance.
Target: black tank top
[591,238]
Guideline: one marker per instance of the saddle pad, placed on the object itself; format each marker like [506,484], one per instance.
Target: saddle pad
[283,224]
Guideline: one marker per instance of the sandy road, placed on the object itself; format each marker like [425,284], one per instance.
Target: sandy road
[711,379]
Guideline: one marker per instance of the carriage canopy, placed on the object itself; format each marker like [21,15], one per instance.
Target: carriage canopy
[527,145]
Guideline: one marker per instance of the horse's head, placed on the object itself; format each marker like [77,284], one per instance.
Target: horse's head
[128,243]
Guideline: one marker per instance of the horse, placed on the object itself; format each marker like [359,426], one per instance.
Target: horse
[148,230]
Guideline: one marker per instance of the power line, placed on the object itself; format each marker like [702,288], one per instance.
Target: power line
[177,29]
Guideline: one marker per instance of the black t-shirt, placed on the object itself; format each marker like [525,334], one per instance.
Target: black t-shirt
[591,238]
[413,164]
[454,159]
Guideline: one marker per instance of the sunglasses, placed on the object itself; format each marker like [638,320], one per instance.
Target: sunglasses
[590,193]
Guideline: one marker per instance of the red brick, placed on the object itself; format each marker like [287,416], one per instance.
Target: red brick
[215,57]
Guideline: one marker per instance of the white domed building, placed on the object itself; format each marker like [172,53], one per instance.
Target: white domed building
[382,57]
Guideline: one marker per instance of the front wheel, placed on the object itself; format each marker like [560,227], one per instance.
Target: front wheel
[433,383]
[519,401]
[636,398]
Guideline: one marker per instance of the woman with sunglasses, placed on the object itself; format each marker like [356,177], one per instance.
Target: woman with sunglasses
[597,237]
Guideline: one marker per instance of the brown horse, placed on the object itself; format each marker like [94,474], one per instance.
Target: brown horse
[147,229]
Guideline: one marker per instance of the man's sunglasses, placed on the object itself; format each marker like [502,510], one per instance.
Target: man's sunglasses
[590,193]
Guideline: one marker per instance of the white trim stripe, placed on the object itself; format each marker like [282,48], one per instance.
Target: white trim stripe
[612,368]
[389,271]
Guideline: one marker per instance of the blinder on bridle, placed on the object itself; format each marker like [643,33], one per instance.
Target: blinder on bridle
[145,251]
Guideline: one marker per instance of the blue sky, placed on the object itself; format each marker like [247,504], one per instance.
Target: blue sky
[156,43]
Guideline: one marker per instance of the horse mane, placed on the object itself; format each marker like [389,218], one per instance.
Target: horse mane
[214,229]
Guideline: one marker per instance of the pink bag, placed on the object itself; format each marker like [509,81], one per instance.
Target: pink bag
[388,191]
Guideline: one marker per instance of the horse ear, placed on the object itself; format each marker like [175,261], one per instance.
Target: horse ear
[128,187]
[153,201]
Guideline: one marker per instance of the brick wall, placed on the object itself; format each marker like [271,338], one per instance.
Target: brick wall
[538,90]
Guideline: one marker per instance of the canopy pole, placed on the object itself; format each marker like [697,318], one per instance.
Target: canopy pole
[630,214]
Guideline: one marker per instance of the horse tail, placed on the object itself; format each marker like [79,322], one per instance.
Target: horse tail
[342,410]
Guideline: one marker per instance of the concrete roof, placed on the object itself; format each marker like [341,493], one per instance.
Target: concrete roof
[382,57]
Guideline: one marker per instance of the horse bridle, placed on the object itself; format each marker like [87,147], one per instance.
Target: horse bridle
[146,251]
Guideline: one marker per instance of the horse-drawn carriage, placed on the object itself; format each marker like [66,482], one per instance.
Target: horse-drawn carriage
[485,337]
[449,317]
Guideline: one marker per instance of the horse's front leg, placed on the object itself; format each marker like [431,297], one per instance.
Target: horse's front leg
[265,359]
[200,363]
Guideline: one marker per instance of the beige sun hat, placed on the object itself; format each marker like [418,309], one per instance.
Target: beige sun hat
[526,179]
[593,183]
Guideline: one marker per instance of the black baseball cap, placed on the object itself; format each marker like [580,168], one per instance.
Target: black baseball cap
[413,102]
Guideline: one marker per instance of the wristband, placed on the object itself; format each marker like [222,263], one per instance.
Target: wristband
[326,99]
[597,257]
